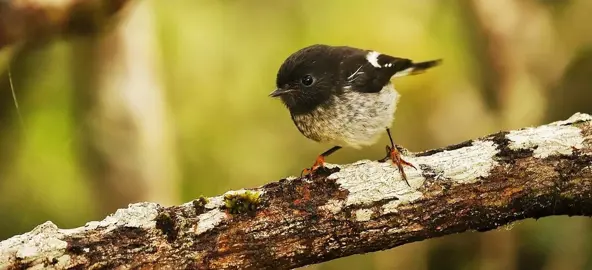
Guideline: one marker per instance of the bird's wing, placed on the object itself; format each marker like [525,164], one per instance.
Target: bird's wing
[370,71]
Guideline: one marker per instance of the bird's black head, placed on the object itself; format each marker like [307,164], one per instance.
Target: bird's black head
[307,78]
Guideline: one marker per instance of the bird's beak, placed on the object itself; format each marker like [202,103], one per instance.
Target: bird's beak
[278,92]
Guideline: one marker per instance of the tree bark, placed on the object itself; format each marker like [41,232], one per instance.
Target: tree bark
[477,185]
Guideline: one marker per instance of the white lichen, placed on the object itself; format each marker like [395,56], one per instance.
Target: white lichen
[392,206]
[464,165]
[363,214]
[574,118]
[548,140]
[291,178]
[46,239]
[63,262]
[333,206]
[137,215]
[215,202]
[368,182]
[209,220]
[43,239]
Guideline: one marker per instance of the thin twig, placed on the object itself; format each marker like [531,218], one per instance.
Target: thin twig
[16,104]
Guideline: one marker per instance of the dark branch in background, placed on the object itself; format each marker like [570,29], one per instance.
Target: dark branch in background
[477,185]
[27,21]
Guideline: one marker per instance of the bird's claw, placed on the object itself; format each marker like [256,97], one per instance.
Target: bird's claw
[319,163]
[306,172]
[394,155]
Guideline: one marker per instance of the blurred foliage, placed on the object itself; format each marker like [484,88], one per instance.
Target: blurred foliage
[217,62]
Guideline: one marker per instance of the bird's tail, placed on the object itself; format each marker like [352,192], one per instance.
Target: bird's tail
[418,68]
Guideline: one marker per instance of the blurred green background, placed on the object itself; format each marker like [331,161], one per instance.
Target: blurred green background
[172,104]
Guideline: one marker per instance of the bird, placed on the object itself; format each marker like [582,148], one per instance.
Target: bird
[343,96]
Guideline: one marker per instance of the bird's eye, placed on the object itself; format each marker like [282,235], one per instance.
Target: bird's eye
[307,80]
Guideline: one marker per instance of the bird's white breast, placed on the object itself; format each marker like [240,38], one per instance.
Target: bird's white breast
[353,119]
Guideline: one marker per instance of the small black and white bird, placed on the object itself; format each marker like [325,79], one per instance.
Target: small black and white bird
[343,96]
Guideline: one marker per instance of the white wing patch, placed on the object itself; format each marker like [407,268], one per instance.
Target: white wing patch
[372,57]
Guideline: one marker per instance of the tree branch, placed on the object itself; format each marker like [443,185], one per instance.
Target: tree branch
[477,185]
[23,21]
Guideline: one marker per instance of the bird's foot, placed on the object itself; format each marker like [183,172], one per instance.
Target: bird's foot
[319,163]
[394,155]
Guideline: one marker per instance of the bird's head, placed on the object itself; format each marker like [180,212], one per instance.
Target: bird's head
[306,79]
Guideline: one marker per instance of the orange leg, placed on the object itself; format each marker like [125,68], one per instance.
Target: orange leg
[393,154]
[320,162]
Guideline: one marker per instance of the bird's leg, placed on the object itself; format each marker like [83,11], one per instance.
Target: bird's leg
[393,154]
[320,162]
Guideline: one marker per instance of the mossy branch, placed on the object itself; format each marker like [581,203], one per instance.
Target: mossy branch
[477,185]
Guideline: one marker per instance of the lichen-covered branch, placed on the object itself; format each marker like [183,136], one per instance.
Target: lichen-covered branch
[477,185]
[23,21]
